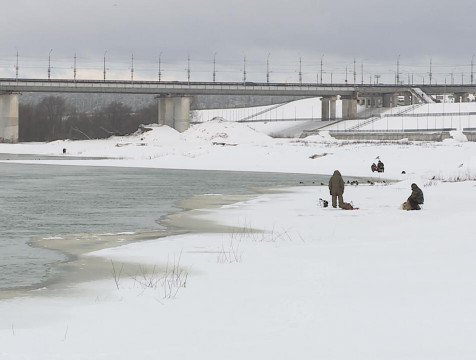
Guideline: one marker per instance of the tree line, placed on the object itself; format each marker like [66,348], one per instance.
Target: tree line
[53,119]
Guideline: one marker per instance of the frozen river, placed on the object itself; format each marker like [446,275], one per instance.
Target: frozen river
[50,200]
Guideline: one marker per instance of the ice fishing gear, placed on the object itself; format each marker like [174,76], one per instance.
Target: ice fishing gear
[323,203]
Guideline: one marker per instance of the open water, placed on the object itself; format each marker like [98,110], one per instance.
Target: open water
[50,200]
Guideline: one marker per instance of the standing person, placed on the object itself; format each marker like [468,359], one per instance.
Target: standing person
[336,188]
[380,166]
[416,198]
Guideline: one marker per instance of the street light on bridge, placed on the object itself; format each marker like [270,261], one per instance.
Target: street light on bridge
[300,71]
[472,61]
[214,66]
[104,73]
[132,68]
[74,68]
[16,68]
[321,67]
[397,78]
[244,69]
[160,69]
[188,69]
[267,69]
[49,65]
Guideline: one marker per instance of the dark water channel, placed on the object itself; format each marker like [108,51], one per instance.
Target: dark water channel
[49,200]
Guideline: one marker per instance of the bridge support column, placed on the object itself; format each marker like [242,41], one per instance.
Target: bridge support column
[328,108]
[390,100]
[9,118]
[461,97]
[376,101]
[349,108]
[408,98]
[174,111]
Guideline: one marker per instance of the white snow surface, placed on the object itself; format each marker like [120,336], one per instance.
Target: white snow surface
[310,283]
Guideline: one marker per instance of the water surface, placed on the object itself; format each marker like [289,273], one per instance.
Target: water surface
[52,200]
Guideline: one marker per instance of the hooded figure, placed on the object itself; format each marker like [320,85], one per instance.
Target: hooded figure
[336,188]
[416,198]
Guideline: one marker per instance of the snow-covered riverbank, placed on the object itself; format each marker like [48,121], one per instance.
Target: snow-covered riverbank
[290,279]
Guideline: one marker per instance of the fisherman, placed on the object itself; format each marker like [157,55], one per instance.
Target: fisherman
[336,188]
[415,199]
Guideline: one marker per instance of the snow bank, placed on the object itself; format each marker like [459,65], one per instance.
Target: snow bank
[293,279]
[221,131]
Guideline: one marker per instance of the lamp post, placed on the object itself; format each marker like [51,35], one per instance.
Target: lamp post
[74,68]
[104,62]
[267,69]
[16,68]
[397,78]
[49,65]
[431,74]
[160,69]
[300,71]
[214,66]
[244,69]
[321,67]
[132,68]
[188,69]
[362,72]
[472,62]
[355,73]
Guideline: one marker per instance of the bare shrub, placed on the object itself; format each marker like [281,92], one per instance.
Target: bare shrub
[116,274]
[231,252]
[169,280]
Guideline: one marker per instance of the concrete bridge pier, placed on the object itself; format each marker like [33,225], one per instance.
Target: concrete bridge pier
[461,97]
[408,98]
[328,108]
[9,117]
[174,111]
[349,108]
[390,100]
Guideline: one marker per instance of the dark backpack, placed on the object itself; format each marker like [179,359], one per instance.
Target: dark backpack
[347,206]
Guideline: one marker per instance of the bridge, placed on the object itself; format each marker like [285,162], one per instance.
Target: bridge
[174,97]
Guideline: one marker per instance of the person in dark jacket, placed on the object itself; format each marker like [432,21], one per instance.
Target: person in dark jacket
[416,198]
[373,167]
[380,167]
[336,188]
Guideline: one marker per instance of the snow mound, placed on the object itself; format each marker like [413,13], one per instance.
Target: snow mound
[155,134]
[458,136]
[221,131]
[322,137]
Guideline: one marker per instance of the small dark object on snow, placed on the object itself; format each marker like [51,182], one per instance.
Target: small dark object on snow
[347,206]
[403,172]
[64,150]
[323,203]
[354,182]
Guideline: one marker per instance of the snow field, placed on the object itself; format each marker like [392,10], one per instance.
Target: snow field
[292,280]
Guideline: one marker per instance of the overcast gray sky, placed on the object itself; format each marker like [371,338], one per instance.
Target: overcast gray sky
[374,32]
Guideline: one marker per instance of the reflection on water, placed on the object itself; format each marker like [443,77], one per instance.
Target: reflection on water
[49,200]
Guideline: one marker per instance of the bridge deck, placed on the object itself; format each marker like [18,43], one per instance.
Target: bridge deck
[215,88]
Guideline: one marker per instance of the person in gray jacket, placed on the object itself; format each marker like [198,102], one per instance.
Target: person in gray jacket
[336,188]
